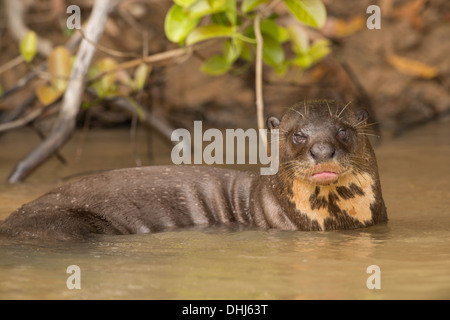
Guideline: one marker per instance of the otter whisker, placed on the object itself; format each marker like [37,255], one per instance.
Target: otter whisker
[345,107]
[368,125]
[357,125]
[368,134]
[298,112]
[329,109]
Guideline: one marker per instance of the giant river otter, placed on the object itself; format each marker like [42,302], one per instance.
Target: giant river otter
[327,180]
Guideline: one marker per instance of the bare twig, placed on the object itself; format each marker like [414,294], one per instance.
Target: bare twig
[108,51]
[259,67]
[43,137]
[258,72]
[11,64]
[33,115]
[176,53]
[17,112]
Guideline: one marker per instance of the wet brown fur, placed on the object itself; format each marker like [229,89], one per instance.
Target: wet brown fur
[152,199]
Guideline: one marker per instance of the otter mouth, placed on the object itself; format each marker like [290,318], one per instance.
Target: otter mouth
[324,177]
[326,173]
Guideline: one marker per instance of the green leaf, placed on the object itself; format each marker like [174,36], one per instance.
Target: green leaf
[282,68]
[28,46]
[105,85]
[140,75]
[249,5]
[232,50]
[303,61]
[101,93]
[273,53]
[68,32]
[178,24]
[216,65]
[272,29]
[139,110]
[105,65]
[299,39]
[316,52]
[220,18]
[217,4]
[1,90]
[319,50]
[184,3]
[231,11]
[309,12]
[203,8]
[246,52]
[208,32]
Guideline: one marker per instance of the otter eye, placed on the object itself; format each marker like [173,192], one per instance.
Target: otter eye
[299,138]
[342,134]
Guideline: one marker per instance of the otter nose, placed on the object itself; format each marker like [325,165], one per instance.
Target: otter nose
[322,151]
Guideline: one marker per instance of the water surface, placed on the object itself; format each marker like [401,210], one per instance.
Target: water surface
[412,250]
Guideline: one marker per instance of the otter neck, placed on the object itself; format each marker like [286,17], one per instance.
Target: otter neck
[347,203]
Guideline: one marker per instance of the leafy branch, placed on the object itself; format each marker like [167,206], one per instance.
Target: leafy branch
[251,32]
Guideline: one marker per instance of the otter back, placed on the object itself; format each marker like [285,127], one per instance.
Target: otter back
[327,180]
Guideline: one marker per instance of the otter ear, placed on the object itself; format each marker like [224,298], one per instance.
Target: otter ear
[362,116]
[272,123]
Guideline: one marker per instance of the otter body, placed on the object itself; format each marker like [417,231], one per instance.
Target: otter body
[327,180]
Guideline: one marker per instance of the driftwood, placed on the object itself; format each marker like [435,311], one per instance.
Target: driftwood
[65,123]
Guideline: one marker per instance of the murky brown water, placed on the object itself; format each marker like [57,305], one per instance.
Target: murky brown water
[412,250]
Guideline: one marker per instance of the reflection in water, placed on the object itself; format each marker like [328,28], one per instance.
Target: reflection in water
[412,250]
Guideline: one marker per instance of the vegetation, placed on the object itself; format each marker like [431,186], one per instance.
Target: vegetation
[248,32]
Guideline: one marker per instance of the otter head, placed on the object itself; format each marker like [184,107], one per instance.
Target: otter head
[321,141]
[328,169]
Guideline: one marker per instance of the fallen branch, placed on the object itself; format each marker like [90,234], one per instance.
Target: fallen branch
[65,123]
[22,82]
[42,136]
[17,112]
[33,115]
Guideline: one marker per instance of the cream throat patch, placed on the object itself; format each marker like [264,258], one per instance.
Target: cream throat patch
[351,196]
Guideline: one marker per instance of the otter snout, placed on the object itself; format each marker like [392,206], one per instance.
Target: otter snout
[322,152]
